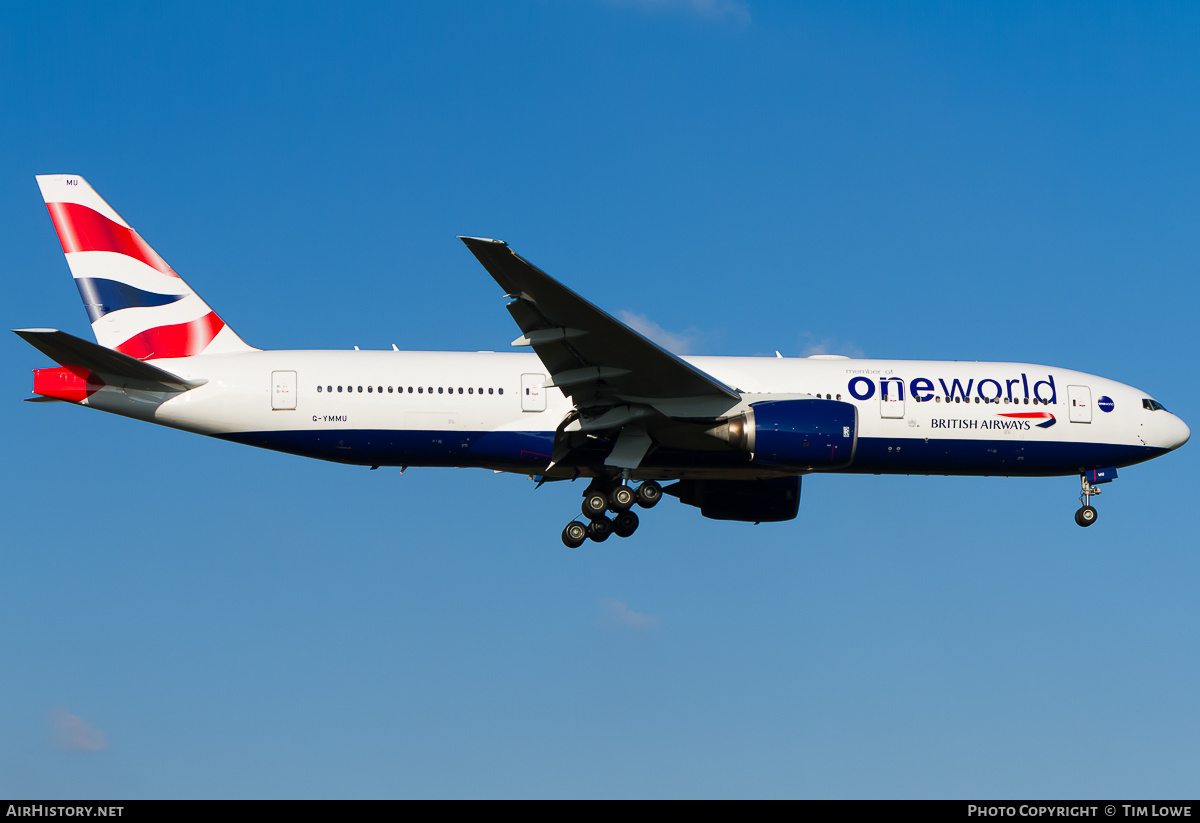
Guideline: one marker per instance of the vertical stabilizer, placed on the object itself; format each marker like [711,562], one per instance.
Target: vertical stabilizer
[138,305]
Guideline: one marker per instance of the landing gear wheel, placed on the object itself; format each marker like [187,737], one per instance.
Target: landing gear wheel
[1086,516]
[600,529]
[625,524]
[648,494]
[594,505]
[621,498]
[574,535]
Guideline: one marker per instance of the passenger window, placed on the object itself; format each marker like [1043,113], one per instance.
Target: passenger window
[489,391]
[439,389]
[380,388]
[460,389]
[339,389]
[368,389]
[501,391]
[360,389]
[318,389]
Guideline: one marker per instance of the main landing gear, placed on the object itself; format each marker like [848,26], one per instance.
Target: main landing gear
[610,495]
[1086,515]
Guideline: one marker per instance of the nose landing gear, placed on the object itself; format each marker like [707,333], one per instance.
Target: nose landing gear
[605,496]
[1087,515]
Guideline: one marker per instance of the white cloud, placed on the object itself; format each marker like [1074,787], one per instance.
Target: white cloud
[72,733]
[620,614]
[675,343]
[810,345]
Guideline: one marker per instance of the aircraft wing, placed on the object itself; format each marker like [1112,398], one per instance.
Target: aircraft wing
[591,356]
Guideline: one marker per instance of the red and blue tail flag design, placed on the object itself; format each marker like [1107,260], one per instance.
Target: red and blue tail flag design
[138,305]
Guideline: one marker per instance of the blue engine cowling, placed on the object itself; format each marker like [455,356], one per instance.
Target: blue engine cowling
[808,435]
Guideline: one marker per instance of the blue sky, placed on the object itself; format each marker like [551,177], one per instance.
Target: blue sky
[184,617]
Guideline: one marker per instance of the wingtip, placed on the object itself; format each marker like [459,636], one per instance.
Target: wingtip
[470,240]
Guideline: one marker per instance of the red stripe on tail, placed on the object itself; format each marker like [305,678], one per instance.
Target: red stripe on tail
[83,229]
[182,340]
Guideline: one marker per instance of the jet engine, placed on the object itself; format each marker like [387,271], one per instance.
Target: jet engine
[808,435]
[751,501]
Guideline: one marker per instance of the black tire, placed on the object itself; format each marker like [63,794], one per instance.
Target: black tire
[1086,516]
[574,535]
[621,498]
[599,530]
[648,494]
[594,505]
[625,524]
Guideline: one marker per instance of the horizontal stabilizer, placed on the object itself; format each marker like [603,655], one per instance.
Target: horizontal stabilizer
[68,350]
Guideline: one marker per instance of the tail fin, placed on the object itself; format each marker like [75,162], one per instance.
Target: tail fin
[137,303]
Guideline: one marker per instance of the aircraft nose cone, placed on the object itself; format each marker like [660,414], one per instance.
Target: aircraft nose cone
[1178,433]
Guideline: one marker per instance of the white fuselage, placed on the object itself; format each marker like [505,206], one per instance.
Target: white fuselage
[484,409]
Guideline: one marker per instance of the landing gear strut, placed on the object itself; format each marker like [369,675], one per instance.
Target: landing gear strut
[610,495]
[1086,515]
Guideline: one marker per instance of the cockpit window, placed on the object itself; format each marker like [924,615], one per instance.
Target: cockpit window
[1152,405]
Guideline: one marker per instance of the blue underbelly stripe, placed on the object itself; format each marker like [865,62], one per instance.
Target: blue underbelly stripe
[521,451]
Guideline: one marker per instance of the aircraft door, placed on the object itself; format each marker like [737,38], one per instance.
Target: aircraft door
[891,398]
[283,390]
[533,396]
[1080,398]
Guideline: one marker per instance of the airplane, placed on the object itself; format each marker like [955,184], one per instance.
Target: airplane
[594,399]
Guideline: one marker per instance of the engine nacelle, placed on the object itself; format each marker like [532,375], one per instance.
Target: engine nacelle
[752,501]
[805,434]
